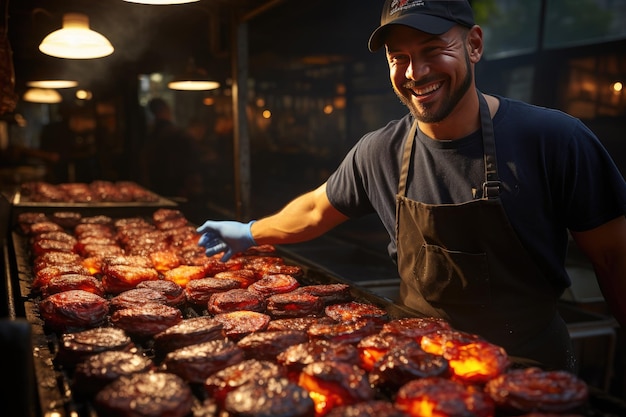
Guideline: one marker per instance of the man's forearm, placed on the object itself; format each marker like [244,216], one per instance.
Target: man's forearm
[612,281]
[304,218]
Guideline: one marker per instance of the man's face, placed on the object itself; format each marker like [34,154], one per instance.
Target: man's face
[429,73]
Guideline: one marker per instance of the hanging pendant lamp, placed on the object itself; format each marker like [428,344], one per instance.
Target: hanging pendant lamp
[193,79]
[52,73]
[42,95]
[75,40]
[52,83]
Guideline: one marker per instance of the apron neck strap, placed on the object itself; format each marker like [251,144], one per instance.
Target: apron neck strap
[491,186]
[406,159]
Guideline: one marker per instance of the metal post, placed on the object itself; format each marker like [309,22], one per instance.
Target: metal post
[241,145]
[241,140]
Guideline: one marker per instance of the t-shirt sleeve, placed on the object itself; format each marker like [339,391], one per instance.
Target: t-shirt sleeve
[594,191]
[345,188]
[366,181]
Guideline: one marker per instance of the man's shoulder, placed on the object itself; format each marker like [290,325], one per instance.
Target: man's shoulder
[394,128]
[399,125]
[517,108]
[517,114]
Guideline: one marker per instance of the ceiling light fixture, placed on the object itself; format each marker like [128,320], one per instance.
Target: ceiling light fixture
[52,73]
[161,2]
[193,79]
[52,83]
[42,95]
[76,40]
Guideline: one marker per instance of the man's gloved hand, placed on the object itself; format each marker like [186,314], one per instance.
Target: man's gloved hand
[229,237]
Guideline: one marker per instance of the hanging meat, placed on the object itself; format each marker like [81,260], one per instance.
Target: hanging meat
[8,97]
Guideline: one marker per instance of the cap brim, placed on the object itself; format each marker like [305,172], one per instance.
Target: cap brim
[430,24]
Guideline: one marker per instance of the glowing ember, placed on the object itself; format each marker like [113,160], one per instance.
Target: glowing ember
[477,362]
[471,359]
[440,397]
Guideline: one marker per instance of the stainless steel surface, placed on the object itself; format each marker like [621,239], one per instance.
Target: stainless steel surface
[585,288]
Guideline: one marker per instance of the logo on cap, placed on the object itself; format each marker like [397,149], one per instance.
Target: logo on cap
[401,5]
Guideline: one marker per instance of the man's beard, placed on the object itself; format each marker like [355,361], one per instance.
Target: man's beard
[446,106]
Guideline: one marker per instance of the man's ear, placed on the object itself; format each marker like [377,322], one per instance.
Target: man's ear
[475,43]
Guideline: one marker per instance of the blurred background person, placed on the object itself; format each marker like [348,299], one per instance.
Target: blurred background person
[72,144]
[167,154]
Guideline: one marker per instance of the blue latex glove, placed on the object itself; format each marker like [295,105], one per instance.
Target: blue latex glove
[229,237]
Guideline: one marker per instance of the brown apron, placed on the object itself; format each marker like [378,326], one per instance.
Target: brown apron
[465,263]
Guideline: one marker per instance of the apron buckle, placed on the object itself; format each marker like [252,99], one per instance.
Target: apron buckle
[491,189]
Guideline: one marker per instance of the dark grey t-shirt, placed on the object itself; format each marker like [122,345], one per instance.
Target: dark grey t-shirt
[555,175]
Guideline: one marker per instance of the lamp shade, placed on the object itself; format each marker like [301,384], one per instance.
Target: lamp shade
[75,40]
[52,83]
[193,85]
[42,95]
[193,79]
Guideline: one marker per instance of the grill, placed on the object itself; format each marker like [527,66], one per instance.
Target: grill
[53,385]
[49,394]
[21,204]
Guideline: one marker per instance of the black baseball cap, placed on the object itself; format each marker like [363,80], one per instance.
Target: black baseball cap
[430,16]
